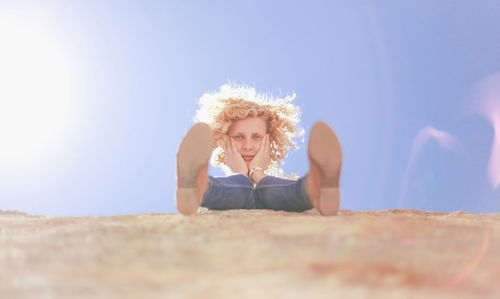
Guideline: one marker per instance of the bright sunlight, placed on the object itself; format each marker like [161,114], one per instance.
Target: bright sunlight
[34,97]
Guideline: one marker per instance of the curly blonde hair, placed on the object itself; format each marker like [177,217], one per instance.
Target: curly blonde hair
[231,103]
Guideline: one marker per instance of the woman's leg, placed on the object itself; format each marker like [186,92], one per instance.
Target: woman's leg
[319,189]
[281,194]
[232,192]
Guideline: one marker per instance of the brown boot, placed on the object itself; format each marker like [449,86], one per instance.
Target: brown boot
[192,167]
[325,163]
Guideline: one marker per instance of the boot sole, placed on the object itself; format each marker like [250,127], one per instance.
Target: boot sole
[326,153]
[193,154]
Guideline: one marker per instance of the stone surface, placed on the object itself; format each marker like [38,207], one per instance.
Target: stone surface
[251,254]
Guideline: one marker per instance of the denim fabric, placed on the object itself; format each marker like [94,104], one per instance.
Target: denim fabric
[238,192]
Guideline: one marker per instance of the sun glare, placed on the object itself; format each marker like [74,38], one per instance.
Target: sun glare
[34,88]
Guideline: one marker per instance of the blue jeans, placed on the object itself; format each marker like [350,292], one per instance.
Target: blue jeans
[238,192]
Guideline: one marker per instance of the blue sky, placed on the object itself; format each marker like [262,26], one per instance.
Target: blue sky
[378,72]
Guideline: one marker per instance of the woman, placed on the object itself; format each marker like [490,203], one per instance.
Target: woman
[249,134]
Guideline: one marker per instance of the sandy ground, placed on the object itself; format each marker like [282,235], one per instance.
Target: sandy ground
[251,254]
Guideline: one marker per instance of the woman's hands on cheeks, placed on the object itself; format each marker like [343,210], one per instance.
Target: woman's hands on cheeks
[234,159]
[262,159]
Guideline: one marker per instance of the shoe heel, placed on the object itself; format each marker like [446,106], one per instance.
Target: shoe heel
[188,200]
[329,201]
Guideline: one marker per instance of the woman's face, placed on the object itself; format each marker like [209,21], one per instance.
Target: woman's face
[247,135]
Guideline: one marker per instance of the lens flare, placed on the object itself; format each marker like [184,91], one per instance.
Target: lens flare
[472,265]
[494,165]
[444,139]
[487,103]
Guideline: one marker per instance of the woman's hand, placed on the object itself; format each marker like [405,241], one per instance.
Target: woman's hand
[234,159]
[262,159]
